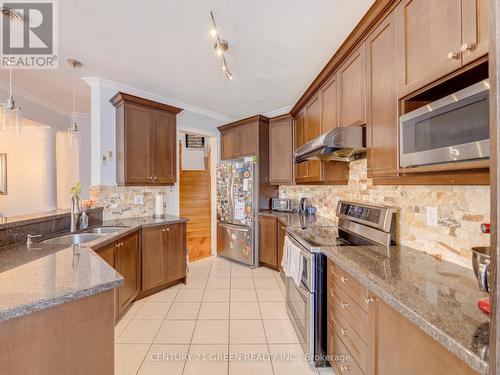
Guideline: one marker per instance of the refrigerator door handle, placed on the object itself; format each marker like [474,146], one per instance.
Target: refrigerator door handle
[231,195]
[235,227]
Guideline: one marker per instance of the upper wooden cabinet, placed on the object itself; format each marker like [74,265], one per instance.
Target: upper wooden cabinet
[146,143]
[382,100]
[281,148]
[329,94]
[352,89]
[241,138]
[437,37]
[312,128]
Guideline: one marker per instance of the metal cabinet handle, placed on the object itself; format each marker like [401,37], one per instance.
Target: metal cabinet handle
[163,230]
[453,56]
[344,331]
[467,47]
[369,300]
[345,305]
[154,178]
[168,229]
[343,278]
[150,177]
[345,368]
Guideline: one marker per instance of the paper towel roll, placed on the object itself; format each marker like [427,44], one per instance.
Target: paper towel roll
[159,206]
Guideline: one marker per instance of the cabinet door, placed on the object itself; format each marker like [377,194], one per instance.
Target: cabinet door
[128,265]
[352,92]
[138,144]
[176,251]
[281,241]
[329,105]
[229,141]
[248,139]
[382,129]
[281,152]
[268,241]
[400,347]
[164,148]
[154,258]
[107,253]
[313,130]
[300,140]
[429,39]
[475,29]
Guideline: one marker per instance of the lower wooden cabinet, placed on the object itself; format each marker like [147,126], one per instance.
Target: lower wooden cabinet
[271,241]
[366,336]
[128,264]
[163,255]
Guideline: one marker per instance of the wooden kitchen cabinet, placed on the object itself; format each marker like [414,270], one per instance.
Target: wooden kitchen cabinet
[475,29]
[301,169]
[244,138]
[268,237]
[163,256]
[128,264]
[329,95]
[107,253]
[352,89]
[429,37]
[146,141]
[382,100]
[281,149]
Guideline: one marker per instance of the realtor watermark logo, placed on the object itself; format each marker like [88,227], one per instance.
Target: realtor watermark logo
[29,34]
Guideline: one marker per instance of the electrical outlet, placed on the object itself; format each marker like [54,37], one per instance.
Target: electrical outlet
[138,199]
[431,214]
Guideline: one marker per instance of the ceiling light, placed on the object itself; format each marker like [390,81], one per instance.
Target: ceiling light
[74,132]
[11,115]
[221,47]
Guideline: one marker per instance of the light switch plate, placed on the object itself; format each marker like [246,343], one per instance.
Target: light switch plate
[431,214]
[138,199]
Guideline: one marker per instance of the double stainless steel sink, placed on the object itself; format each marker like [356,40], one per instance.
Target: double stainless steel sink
[86,236]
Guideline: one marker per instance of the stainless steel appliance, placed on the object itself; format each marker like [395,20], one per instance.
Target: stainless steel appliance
[359,225]
[454,128]
[283,205]
[237,207]
[339,144]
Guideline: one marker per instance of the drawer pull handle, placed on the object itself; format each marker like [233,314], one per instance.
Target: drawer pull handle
[453,55]
[369,300]
[344,279]
[345,305]
[345,368]
[344,331]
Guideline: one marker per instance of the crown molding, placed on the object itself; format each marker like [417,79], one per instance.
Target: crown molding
[279,111]
[97,81]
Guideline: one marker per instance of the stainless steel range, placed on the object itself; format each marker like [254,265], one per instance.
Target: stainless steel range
[358,225]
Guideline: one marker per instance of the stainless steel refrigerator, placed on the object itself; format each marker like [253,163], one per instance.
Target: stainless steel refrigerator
[237,209]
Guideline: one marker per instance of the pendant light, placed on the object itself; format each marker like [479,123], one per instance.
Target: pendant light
[74,132]
[11,115]
[221,46]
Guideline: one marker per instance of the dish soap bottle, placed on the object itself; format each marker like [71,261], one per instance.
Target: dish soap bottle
[84,221]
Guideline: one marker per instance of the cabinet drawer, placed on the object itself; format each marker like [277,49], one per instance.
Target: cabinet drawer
[349,285]
[351,339]
[343,305]
[342,359]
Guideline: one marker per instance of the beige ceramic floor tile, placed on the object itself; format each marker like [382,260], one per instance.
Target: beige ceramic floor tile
[239,271]
[175,332]
[207,360]
[280,332]
[265,282]
[289,360]
[243,295]
[128,358]
[153,311]
[242,283]
[211,332]
[219,283]
[139,332]
[245,310]
[164,359]
[246,332]
[199,273]
[221,265]
[167,295]
[270,295]
[263,272]
[220,272]
[184,311]
[216,295]
[214,310]
[189,295]
[273,310]
[195,283]
[120,326]
[249,360]
[132,310]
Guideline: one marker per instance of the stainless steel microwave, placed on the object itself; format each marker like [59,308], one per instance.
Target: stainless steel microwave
[454,128]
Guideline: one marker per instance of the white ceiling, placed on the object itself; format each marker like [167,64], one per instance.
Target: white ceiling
[277,47]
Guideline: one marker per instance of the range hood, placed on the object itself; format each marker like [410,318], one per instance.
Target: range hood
[339,144]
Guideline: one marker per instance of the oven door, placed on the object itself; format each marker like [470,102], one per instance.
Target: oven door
[300,308]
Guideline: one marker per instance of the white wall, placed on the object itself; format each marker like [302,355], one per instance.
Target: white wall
[192,159]
[25,177]
[68,169]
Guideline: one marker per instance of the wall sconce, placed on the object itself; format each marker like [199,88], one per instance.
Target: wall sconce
[3,174]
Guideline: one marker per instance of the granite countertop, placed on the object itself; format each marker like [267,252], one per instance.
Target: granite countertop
[49,275]
[438,296]
[295,219]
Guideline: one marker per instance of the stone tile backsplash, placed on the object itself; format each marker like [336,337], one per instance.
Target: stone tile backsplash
[461,210]
[118,201]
